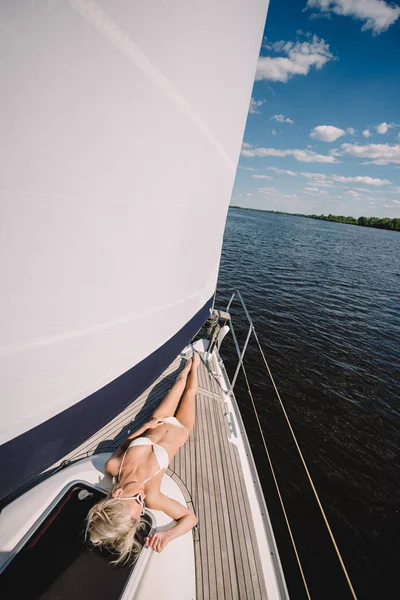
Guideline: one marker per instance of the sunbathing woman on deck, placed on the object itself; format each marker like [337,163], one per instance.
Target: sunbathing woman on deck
[138,465]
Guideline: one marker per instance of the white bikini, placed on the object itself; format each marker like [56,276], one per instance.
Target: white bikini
[159,451]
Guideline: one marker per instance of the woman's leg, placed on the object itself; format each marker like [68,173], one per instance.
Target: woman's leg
[168,406]
[186,412]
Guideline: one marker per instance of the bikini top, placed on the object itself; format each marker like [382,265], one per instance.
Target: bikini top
[159,451]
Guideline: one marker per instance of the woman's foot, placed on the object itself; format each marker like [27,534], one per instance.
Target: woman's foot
[186,370]
[187,366]
[195,361]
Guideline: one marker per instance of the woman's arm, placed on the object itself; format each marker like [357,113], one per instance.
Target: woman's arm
[186,520]
[152,424]
[112,465]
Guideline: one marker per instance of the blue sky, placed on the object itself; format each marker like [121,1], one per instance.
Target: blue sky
[323,131]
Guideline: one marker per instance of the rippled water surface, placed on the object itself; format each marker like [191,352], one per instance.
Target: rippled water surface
[325,299]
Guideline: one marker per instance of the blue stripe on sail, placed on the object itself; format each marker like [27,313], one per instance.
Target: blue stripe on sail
[30,453]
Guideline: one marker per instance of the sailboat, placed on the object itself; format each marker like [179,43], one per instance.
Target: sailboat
[121,125]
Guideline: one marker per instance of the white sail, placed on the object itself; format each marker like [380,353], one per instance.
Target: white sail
[121,126]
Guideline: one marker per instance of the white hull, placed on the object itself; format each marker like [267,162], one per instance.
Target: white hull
[174,573]
[154,576]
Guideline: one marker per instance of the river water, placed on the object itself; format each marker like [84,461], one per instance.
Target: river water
[325,300]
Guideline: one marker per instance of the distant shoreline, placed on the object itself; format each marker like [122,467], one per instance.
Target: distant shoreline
[385,223]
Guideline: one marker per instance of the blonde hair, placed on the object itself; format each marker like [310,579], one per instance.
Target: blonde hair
[111,526]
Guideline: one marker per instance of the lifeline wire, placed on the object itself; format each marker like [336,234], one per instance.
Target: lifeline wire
[301,457]
[277,486]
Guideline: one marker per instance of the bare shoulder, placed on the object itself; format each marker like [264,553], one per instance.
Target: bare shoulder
[173,508]
[112,465]
[114,462]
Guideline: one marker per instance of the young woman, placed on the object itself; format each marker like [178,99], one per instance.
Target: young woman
[138,466]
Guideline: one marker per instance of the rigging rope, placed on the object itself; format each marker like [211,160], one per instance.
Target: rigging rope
[277,486]
[305,467]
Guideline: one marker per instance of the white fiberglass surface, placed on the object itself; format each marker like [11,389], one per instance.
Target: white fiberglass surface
[121,124]
[154,575]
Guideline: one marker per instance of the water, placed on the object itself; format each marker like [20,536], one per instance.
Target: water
[325,300]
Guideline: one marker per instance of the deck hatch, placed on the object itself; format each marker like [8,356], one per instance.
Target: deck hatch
[56,564]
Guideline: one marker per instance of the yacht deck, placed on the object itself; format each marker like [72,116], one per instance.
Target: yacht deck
[208,470]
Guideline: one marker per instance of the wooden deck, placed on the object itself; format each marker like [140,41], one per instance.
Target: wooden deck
[209,473]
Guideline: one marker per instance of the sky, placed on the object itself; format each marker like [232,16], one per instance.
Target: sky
[323,130]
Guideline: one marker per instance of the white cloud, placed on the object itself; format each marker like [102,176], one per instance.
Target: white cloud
[363,190]
[248,168]
[255,105]
[282,171]
[274,132]
[377,15]
[289,196]
[350,131]
[380,154]
[384,127]
[375,181]
[300,155]
[262,176]
[272,191]
[322,179]
[366,133]
[268,190]
[319,178]
[353,194]
[282,119]
[300,58]
[327,133]
[313,191]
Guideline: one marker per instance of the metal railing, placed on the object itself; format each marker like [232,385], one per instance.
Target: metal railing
[240,365]
[240,353]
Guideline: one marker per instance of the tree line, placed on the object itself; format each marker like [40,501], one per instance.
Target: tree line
[385,223]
